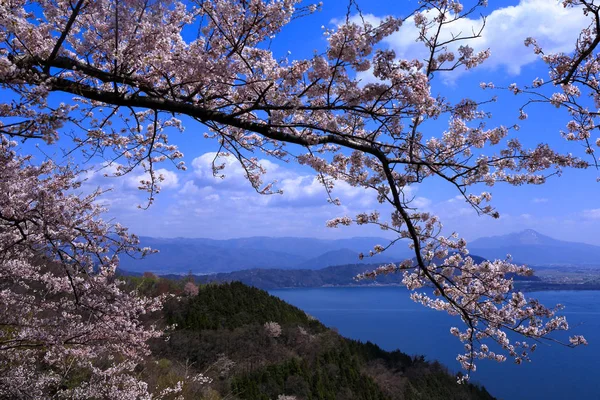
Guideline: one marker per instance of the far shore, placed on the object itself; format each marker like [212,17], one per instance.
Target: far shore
[524,286]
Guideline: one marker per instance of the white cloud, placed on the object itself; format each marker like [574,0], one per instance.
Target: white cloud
[170,179]
[122,196]
[189,189]
[421,202]
[456,198]
[203,166]
[205,206]
[358,19]
[301,186]
[299,189]
[556,28]
[539,200]
[103,176]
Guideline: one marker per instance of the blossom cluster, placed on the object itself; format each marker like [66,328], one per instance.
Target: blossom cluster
[272,329]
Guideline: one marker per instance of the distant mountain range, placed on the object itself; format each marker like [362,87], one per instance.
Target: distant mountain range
[204,256]
[531,247]
[208,256]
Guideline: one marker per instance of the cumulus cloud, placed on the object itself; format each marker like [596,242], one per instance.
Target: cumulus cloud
[554,26]
[103,176]
[170,179]
[298,189]
[232,175]
[556,29]
[208,206]
[121,195]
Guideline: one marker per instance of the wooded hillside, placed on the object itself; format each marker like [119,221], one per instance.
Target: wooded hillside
[255,346]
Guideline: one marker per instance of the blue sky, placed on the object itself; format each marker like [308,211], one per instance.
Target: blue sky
[194,204]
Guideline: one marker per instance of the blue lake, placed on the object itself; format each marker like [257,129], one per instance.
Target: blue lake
[387,316]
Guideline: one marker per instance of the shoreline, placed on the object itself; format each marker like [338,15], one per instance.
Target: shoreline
[525,287]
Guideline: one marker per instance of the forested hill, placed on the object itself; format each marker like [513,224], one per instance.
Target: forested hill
[339,275]
[255,346]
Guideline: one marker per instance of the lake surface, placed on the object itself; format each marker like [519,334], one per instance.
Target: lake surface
[387,316]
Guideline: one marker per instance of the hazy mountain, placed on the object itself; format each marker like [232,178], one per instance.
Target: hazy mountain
[307,247]
[528,237]
[340,257]
[532,247]
[203,256]
[200,256]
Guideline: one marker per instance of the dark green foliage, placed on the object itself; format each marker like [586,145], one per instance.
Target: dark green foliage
[233,305]
[441,385]
[369,351]
[333,373]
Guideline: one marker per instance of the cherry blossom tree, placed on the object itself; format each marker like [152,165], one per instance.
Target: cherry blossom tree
[131,69]
[190,289]
[273,329]
[67,329]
